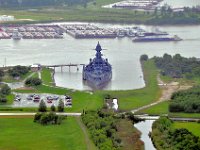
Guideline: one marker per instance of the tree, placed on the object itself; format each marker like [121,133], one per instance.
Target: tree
[42,106]
[1,73]
[144,57]
[3,98]
[33,81]
[5,90]
[61,106]
[53,108]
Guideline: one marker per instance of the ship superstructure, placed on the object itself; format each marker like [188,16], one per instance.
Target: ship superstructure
[98,72]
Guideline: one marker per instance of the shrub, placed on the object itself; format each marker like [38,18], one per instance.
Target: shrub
[3,99]
[33,81]
[48,118]
[5,90]
[18,71]
[144,57]
[42,106]
[37,117]
[53,108]
[61,106]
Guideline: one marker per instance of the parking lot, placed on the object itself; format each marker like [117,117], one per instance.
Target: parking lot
[33,100]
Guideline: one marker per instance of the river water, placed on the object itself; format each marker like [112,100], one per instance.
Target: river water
[145,127]
[181,3]
[122,53]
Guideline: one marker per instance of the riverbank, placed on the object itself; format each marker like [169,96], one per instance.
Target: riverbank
[99,14]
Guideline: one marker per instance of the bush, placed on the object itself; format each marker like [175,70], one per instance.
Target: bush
[3,99]
[53,108]
[37,117]
[61,106]
[5,90]
[42,106]
[144,57]
[33,81]
[18,71]
[48,118]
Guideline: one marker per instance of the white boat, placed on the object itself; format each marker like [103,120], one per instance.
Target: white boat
[16,35]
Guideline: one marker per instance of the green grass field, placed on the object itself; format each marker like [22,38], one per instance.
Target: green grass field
[191,126]
[46,76]
[24,134]
[162,109]
[159,109]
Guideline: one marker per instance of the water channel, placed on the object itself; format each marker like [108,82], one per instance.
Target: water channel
[145,127]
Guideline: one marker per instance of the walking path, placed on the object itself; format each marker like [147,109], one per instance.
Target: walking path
[90,145]
[167,90]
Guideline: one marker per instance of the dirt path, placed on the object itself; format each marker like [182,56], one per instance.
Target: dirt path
[167,90]
[90,145]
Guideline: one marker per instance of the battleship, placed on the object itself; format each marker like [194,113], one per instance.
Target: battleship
[98,72]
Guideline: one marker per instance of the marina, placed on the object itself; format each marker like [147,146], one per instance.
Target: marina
[77,31]
[31,32]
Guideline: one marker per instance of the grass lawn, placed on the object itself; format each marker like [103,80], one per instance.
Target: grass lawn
[191,126]
[162,108]
[159,109]
[46,76]
[24,134]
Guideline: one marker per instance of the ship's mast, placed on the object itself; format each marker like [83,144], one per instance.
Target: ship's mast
[98,51]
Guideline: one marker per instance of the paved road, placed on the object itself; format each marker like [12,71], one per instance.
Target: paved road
[32,114]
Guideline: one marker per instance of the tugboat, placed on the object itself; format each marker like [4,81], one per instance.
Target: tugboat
[16,35]
[98,72]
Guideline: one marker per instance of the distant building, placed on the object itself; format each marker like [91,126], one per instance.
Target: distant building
[36,67]
[7,18]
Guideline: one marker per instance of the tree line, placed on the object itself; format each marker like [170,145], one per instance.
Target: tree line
[186,101]
[177,66]
[35,3]
[164,136]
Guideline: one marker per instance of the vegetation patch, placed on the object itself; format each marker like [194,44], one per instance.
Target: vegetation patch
[106,130]
[48,118]
[193,127]
[177,66]
[187,101]
[164,136]
[46,76]
[33,81]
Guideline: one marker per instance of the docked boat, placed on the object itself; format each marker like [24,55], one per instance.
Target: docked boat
[157,38]
[98,72]
[16,35]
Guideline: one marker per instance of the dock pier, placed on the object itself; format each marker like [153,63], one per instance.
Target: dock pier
[63,65]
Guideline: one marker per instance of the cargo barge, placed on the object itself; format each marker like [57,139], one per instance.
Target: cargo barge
[157,39]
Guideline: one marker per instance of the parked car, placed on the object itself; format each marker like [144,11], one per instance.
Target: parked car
[55,97]
[36,98]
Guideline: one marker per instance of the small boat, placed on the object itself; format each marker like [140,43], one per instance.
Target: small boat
[16,35]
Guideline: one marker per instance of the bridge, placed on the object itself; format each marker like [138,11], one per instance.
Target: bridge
[64,65]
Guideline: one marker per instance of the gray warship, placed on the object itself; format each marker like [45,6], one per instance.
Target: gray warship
[98,72]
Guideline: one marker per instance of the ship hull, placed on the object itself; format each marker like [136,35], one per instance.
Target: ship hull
[97,82]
